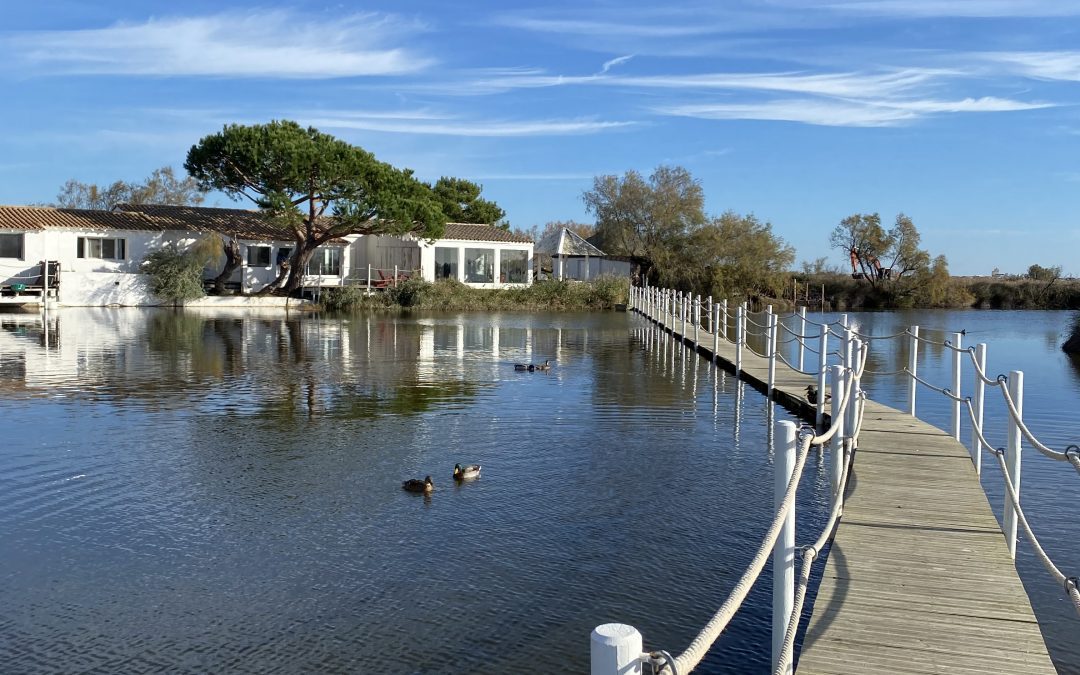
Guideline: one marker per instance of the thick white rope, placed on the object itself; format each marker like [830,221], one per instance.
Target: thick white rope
[1072,588]
[810,553]
[987,445]
[1041,447]
[693,655]
[793,333]
[690,658]
[980,373]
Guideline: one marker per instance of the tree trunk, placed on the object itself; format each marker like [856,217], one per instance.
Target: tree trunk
[299,262]
[232,261]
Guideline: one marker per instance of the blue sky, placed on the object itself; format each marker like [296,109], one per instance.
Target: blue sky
[961,113]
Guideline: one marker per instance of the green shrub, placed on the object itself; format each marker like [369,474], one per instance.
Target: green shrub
[174,274]
[341,298]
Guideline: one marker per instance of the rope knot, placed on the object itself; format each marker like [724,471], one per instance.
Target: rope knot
[1000,452]
[1074,581]
[809,548]
[1073,451]
[1002,378]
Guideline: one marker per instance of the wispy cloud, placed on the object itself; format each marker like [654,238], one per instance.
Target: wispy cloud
[535,176]
[1056,65]
[842,112]
[949,8]
[238,44]
[855,84]
[473,128]
[608,65]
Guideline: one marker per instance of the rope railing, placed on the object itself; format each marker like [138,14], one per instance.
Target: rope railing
[1072,588]
[797,370]
[700,645]
[1008,462]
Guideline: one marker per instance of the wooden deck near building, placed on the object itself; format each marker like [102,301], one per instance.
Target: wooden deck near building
[918,578]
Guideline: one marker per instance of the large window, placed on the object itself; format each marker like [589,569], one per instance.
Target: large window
[514,267]
[480,265]
[283,254]
[446,262]
[258,256]
[101,248]
[326,262]
[11,245]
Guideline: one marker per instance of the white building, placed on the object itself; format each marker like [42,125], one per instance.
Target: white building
[95,256]
[483,256]
[572,257]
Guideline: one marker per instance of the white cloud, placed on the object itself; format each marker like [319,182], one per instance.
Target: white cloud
[842,112]
[477,128]
[1060,65]
[274,44]
[953,8]
[608,65]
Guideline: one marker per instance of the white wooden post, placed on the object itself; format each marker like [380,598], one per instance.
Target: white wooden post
[697,322]
[913,369]
[836,468]
[823,370]
[717,318]
[395,276]
[771,323]
[369,278]
[957,337]
[685,311]
[1012,457]
[802,340]
[980,391]
[839,386]
[855,345]
[616,649]
[739,326]
[784,551]
[723,318]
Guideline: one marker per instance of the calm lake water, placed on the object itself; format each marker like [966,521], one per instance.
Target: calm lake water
[221,492]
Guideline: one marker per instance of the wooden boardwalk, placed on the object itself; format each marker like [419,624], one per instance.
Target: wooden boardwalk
[918,578]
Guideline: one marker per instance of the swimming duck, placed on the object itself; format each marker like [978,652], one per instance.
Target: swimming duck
[417,485]
[812,395]
[523,366]
[546,365]
[467,471]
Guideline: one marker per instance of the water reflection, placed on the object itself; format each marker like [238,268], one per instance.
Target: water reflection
[222,491]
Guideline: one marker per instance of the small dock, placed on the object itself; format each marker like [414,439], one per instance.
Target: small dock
[918,578]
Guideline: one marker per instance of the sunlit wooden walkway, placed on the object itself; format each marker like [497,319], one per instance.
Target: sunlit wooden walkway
[918,578]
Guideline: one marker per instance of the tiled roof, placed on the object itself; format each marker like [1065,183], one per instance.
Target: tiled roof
[467,232]
[242,222]
[41,217]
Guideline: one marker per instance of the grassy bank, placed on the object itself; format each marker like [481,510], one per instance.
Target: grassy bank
[842,293]
[560,296]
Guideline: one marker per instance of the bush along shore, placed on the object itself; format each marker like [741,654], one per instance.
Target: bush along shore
[843,293]
[603,293]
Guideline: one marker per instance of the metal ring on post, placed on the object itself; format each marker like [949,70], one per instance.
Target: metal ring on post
[1071,580]
[1000,452]
[809,547]
[1073,450]
[1002,377]
[663,658]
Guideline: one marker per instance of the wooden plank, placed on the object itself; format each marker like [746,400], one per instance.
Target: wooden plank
[918,579]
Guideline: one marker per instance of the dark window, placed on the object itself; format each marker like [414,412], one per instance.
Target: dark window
[446,260]
[258,256]
[11,245]
[283,254]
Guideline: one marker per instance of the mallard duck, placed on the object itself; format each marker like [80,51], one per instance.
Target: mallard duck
[523,366]
[546,365]
[467,471]
[812,395]
[417,485]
